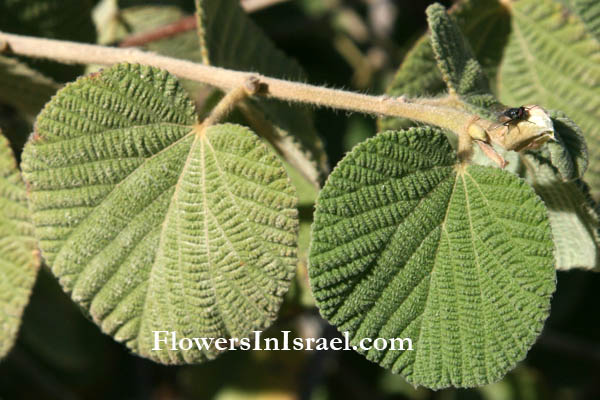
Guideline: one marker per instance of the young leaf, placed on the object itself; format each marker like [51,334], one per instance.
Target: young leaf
[24,88]
[569,154]
[19,258]
[155,223]
[572,213]
[551,59]
[229,39]
[460,70]
[408,244]
[485,23]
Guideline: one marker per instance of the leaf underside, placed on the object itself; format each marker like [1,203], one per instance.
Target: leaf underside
[19,258]
[152,222]
[404,244]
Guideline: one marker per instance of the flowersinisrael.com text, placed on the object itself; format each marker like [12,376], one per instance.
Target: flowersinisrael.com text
[170,340]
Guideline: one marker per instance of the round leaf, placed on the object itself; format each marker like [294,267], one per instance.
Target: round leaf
[154,223]
[408,244]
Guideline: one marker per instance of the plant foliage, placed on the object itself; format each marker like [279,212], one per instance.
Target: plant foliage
[153,222]
[229,39]
[166,206]
[408,243]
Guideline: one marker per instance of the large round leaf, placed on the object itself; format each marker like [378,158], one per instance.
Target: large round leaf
[19,257]
[155,223]
[409,244]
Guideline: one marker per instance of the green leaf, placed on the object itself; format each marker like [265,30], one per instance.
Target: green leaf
[19,258]
[460,70]
[24,88]
[572,213]
[589,12]
[52,19]
[153,222]
[569,154]
[541,54]
[552,59]
[229,39]
[408,244]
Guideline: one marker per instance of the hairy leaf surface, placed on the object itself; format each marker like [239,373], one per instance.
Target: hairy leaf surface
[19,257]
[569,153]
[406,243]
[485,23]
[551,59]
[460,70]
[229,39]
[155,223]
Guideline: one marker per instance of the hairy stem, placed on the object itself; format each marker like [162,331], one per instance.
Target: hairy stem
[229,102]
[450,118]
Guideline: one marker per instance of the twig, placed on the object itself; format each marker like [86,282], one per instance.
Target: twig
[163,32]
[186,24]
[229,102]
[449,118]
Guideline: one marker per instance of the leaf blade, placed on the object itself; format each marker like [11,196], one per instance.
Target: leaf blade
[391,216]
[118,205]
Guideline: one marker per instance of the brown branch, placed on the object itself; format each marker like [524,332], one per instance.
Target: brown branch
[186,24]
[166,31]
